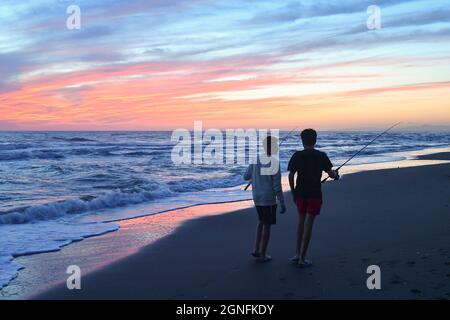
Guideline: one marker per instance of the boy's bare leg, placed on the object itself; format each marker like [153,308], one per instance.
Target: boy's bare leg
[259,228]
[307,232]
[265,240]
[300,227]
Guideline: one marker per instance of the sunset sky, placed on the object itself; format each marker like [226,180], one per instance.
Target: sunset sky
[163,64]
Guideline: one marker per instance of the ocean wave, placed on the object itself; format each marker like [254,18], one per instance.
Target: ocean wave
[78,206]
[14,156]
[141,153]
[75,139]
[15,146]
[26,239]
[112,152]
[93,151]
[189,185]
[27,155]
[97,177]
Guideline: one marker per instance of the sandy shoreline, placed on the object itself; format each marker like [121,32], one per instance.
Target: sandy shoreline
[398,219]
[45,270]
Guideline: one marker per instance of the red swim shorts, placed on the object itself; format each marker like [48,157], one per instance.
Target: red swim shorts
[309,205]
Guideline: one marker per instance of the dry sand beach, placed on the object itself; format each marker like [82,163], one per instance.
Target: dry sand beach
[398,219]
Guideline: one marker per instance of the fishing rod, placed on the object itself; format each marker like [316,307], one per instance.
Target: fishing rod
[281,143]
[373,140]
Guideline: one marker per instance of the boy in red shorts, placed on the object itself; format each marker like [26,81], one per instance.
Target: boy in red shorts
[308,164]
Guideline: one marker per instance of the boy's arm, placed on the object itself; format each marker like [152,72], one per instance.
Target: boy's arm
[248,173]
[328,168]
[278,189]
[292,168]
[292,182]
[334,174]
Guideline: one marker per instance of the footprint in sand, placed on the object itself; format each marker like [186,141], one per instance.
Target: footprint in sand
[288,294]
[416,291]
[411,263]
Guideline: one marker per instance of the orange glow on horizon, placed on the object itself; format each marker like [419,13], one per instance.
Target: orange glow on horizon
[166,96]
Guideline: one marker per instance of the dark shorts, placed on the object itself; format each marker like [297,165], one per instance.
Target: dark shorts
[309,205]
[267,214]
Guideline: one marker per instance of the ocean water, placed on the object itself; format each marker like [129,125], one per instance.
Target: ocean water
[60,187]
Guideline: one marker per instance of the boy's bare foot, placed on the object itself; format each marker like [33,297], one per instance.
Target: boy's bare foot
[304,264]
[266,258]
[294,259]
[256,254]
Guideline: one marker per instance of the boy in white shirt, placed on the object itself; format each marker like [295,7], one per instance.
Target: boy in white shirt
[266,189]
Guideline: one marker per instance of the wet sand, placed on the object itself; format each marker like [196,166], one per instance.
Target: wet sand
[398,219]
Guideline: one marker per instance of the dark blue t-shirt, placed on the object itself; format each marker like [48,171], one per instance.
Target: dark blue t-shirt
[309,164]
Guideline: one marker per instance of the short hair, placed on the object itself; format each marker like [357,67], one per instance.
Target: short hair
[309,137]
